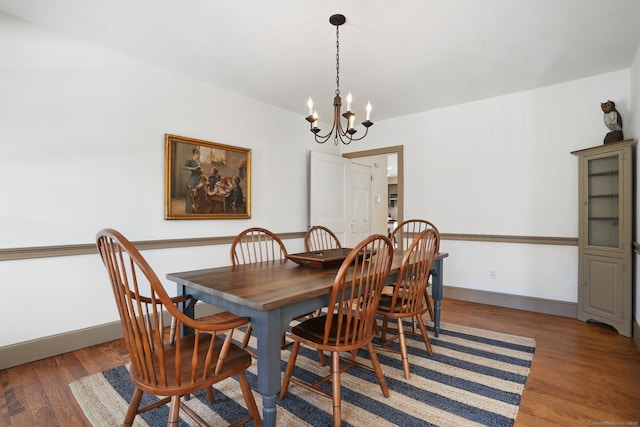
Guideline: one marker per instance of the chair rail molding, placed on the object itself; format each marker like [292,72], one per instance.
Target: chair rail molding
[10,254]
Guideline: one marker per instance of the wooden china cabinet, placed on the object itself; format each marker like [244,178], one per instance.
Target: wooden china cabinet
[605,236]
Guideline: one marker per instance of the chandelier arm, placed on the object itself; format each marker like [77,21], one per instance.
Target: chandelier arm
[347,138]
[342,134]
[322,141]
[366,131]
[323,138]
[335,126]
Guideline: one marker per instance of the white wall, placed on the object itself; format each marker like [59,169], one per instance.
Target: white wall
[82,142]
[503,166]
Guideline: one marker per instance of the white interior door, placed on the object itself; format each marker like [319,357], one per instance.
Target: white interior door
[361,197]
[329,194]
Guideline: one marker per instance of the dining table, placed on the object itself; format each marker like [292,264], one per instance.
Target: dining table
[271,294]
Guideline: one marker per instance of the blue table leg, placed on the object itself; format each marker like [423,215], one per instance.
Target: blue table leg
[268,329]
[436,291]
[187,308]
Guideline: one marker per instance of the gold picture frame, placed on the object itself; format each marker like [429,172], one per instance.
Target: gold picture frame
[206,180]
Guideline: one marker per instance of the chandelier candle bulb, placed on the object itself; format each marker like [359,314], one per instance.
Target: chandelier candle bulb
[368,110]
[349,99]
[310,105]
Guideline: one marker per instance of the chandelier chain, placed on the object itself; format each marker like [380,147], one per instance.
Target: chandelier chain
[337,60]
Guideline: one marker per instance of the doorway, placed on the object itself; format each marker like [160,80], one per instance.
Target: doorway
[395,152]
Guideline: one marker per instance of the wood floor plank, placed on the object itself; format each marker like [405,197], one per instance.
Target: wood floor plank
[94,359]
[10,405]
[32,396]
[55,378]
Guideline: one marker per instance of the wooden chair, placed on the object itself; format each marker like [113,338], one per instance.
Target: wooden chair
[318,238]
[349,324]
[404,234]
[256,245]
[407,300]
[408,230]
[193,362]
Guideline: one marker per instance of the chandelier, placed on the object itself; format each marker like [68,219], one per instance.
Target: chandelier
[343,134]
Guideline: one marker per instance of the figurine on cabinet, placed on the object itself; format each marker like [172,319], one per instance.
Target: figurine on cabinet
[613,121]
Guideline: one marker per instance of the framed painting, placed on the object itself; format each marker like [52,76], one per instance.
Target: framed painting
[206,180]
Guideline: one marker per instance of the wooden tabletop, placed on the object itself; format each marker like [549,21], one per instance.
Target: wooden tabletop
[267,285]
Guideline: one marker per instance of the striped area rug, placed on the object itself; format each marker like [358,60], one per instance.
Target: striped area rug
[475,378]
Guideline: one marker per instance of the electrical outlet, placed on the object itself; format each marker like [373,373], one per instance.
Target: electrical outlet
[492,274]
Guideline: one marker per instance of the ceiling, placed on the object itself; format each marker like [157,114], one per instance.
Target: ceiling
[404,56]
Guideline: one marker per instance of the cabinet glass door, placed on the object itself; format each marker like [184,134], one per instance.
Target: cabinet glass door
[603,200]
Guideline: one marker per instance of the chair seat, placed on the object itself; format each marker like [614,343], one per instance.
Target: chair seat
[313,330]
[385,305]
[236,360]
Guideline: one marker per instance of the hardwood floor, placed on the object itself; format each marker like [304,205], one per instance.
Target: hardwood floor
[582,374]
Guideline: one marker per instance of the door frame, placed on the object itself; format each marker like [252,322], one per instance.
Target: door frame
[397,149]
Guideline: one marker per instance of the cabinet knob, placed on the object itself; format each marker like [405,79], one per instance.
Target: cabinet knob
[584,283]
